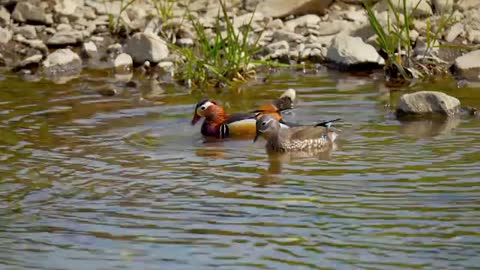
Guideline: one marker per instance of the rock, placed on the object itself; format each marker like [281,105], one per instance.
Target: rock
[347,50]
[288,36]
[184,42]
[105,7]
[28,31]
[146,47]
[89,13]
[245,19]
[28,12]
[329,28]
[473,36]
[428,102]
[467,4]
[284,8]
[442,6]
[305,20]
[358,16]
[37,44]
[62,62]
[5,35]
[123,63]
[90,49]
[417,8]
[28,62]
[68,7]
[279,45]
[65,38]
[275,24]
[115,48]
[64,27]
[454,31]
[4,16]
[467,66]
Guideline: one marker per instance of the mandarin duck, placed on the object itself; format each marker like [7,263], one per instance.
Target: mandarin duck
[298,138]
[219,124]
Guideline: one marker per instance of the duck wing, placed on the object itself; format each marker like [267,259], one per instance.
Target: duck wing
[307,133]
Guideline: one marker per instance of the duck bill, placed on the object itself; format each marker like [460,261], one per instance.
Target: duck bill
[195,119]
[256,136]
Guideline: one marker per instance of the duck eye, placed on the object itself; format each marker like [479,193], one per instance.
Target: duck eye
[203,108]
[264,123]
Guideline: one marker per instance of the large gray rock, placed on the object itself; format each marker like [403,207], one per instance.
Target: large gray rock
[62,62]
[347,50]
[428,102]
[467,66]
[283,8]
[65,38]
[5,35]
[28,12]
[146,47]
[4,16]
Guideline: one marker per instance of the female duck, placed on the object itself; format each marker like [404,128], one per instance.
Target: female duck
[300,138]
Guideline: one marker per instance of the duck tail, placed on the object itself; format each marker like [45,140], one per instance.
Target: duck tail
[285,101]
[327,123]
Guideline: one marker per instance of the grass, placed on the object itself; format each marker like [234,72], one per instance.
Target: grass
[224,59]
[394,39]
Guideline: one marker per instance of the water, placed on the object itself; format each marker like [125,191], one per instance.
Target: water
[124,182]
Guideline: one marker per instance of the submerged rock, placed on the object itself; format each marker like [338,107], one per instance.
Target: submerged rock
[467,66]
[428,102]
[284,8]
[62,62]
[347,50]
[146,47]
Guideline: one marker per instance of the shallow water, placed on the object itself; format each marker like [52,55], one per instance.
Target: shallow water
[124,182]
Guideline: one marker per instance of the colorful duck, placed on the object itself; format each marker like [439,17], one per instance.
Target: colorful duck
[219,124]
[299,138]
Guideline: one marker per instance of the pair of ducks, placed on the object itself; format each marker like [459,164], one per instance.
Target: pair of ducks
[268,122]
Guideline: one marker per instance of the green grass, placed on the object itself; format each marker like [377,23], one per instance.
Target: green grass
[224,59]
[395,41]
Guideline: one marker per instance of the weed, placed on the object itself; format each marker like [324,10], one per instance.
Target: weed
[395,41]
[223,59]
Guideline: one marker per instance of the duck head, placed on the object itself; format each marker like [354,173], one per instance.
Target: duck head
[267,126]
[205,108]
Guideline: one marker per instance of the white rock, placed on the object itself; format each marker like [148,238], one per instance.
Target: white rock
[90,49]
[426,102]
[28,31]
[454,31]
[347,50]
[303,21]
[468,65]
[468,4]
[275,24]
[26,11]
[62,27]
[442,6]
[123,60]
[417,8]
[62,62]
[279,45]
[288,36]
[65,38]
[5,35]
[67,7]
[283,8]
[245,19]
[34,59]
[4,16]
[146,47]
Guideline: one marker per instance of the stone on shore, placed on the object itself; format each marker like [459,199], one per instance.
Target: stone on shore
[146,47]
[90,49]
[65,38]
[5,35]
[417,8]
[28,31]
[123,63]
[428,102]
[68,7]
[28,62]
[28,12]
[4,16]
[347,50]
[62,62]
[284,8]
[467,66]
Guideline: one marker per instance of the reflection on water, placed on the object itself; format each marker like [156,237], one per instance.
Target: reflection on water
[92,181]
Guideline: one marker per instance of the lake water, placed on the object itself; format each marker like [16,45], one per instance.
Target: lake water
[89,181]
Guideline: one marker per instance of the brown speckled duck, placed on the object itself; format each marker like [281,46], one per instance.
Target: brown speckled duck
[302,138]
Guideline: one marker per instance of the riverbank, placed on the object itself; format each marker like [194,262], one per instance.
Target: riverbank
[57,39]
